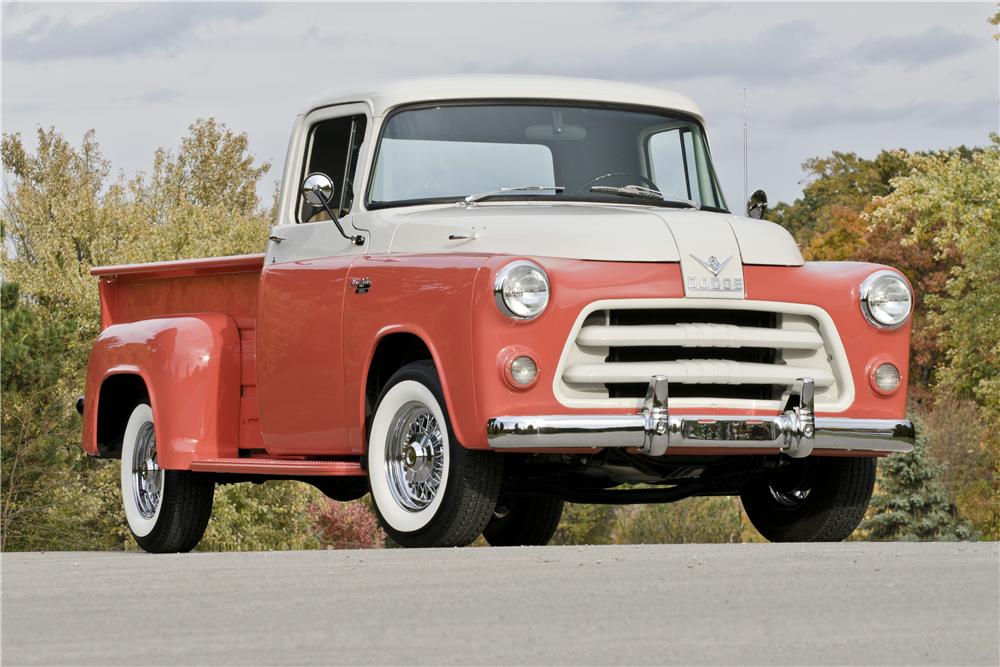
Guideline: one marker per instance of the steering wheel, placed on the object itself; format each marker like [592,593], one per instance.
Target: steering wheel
[632,177]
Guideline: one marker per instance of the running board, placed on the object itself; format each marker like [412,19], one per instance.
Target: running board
[276,466]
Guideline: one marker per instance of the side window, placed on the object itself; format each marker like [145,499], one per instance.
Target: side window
[333,149]
[672,163]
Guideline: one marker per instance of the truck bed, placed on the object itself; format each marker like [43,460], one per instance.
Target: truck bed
[227,285]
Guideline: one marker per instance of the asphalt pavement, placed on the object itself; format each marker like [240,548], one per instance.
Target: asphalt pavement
[852,603]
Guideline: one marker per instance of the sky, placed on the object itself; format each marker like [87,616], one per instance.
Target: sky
[820,77]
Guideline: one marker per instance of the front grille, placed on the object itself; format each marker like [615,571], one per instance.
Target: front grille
[745,357]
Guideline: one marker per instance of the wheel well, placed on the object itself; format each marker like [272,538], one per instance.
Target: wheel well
[392,353]
[118,397]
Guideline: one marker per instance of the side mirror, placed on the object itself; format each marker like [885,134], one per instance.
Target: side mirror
[757,205]
[317,189]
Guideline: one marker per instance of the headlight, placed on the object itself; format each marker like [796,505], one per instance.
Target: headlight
[521,290]
[886,299]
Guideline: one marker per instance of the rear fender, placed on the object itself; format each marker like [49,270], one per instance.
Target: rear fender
[191,368]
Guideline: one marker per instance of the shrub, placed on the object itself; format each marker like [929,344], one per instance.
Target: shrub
[350,525]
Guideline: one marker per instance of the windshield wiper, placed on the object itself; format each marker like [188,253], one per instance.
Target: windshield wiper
[472,199]
[641,192]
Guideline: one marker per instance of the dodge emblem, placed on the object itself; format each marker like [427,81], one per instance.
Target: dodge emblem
[713,264]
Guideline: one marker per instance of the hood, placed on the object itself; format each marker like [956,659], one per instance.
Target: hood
[591,231]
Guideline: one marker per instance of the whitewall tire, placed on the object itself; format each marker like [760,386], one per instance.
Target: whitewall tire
[166,510]
[427,489]
[141,477]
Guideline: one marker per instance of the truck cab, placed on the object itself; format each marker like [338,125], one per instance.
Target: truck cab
[485,296]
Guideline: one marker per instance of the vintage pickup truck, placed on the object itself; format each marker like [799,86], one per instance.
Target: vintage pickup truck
[485,296]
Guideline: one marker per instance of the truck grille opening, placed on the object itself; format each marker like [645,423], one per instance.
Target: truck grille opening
[713,357]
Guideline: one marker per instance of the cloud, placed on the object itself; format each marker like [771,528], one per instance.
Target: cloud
[123,32]
[778,53]
[976,112]
[155,96]
[913,51]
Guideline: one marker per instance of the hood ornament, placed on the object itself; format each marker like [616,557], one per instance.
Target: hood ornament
[713,264]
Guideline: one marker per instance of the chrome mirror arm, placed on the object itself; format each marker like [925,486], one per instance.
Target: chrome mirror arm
[356,240]
[317,189]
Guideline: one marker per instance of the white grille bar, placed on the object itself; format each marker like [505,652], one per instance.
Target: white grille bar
[698,335]
[694,371]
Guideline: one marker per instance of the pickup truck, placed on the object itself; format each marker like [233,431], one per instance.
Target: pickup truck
[483,297]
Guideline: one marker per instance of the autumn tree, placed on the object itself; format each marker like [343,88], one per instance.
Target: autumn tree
[951,203]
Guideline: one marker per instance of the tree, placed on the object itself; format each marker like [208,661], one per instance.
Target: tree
[62,214]
[910,504]
[835,187]
[950,202]
[934,217]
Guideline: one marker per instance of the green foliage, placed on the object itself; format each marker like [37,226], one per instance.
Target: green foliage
[910,503]
[261,517]
[835,185]
[586,524]
[714,519]
[40,459]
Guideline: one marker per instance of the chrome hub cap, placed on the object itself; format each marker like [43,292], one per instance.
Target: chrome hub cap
[414,457]
[147,478]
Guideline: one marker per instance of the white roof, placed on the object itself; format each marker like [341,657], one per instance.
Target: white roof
[385,95]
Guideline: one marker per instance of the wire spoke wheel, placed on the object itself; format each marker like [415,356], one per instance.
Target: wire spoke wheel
[414,456]
[147,477]
[427,490]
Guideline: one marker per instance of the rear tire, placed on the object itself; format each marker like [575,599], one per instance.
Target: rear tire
[428,490]
[817,499]
[166,510]
[527,521]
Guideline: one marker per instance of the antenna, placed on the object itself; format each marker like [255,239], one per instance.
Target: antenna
[746,149]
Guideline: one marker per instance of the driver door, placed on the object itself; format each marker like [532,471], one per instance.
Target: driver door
[299,328]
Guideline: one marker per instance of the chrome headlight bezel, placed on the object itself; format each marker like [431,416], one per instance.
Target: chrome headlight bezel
[501,298]
[869,284]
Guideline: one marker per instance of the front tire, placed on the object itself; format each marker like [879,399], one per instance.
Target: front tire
[817,499]
[428,490]
[166,510]
[527,521]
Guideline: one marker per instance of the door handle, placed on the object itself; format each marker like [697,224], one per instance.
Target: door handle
[275,238]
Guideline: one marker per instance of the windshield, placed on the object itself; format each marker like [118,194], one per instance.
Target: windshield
[588,153]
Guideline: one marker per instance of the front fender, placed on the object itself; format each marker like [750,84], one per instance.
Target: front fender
[191,368]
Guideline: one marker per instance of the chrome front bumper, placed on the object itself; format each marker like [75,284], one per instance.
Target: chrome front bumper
[796,432]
